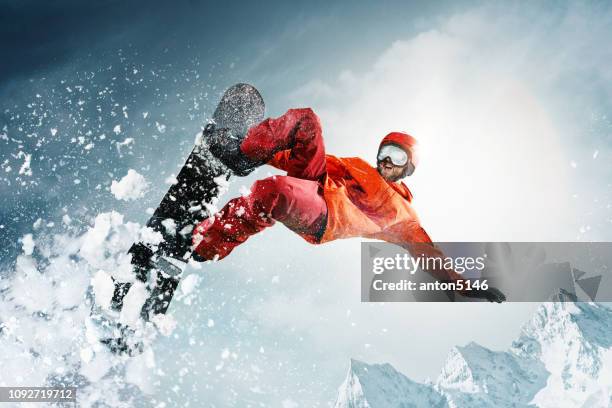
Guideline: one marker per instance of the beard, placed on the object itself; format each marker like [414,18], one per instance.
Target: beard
[390,173]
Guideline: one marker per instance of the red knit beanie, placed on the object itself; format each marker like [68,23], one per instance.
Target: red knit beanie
[405,141]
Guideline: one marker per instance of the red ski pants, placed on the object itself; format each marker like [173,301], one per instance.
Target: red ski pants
[296,200]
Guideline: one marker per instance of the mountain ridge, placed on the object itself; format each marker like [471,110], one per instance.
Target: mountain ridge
[561,358]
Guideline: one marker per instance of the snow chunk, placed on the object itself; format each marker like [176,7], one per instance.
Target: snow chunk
[149,236]
[27,244]
[103,288]
[131,187]
[25,167]
[132,303]
[169,225]
[189,283]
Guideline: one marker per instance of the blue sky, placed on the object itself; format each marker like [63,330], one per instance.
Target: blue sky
[510,103]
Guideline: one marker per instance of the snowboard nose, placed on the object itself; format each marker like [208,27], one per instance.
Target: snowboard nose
[240,108]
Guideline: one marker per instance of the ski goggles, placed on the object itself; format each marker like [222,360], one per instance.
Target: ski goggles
[398,156]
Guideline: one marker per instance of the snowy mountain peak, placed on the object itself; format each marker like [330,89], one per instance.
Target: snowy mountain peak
[476,376]
[566,323]
[562,358]
[380,385]
[573,342]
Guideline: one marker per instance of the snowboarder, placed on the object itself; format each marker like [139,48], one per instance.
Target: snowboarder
[322,198]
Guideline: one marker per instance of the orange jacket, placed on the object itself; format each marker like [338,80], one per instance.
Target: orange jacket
[361,203]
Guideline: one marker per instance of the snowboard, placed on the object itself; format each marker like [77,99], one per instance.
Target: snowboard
[187,202]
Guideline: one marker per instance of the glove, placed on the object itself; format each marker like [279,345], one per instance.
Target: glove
[491,294]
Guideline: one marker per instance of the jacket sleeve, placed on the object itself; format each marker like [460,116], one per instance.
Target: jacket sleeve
[411,236]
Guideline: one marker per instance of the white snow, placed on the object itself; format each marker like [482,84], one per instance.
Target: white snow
[126,142]
[161,128]
[189,283]
[187,287]
[103,288]
[380,385]
[244,191]
[169,225]
[149,236]
[140,371]
[563,358]
[25,169]
[165,323]
[132,304]
[27,244]
[131,187]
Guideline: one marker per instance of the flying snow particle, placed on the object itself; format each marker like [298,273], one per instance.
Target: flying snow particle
[131,187]
[25,167]
[53,131]
[117,129]
[37,224]
[128,141]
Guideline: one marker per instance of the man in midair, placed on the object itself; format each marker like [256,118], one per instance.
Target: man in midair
[323,197]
